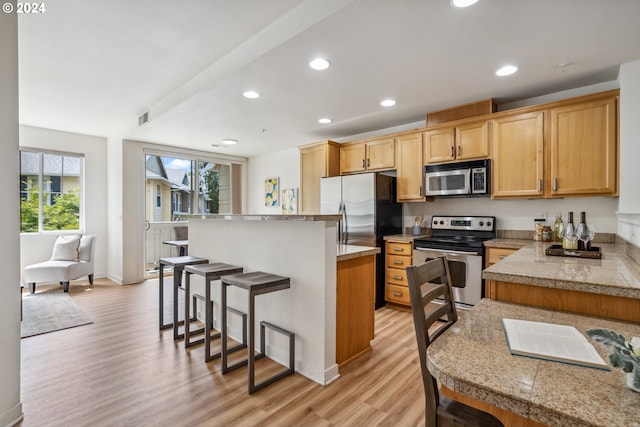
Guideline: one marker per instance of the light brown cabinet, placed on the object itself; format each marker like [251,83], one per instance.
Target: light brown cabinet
[368,156]
[496,254]
[398,256]
[409,181]
[567,148]
[584,148]
[518,155]
[317,161]
[464,141]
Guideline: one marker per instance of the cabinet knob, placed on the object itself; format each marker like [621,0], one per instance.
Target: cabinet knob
[362,163]
[459,150]
[502,256]
[555,184]
[451,154]
[368,162]
[396,262]
[540,185]
[398,249]
[397,294]
[397,277]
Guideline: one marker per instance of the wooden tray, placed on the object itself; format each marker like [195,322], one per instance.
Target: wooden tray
[557,250]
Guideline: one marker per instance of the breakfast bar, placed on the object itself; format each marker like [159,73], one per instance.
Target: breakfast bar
[329,304]
[471,360]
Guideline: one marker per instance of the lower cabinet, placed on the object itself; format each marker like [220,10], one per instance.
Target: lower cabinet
[399,256]
[496,254]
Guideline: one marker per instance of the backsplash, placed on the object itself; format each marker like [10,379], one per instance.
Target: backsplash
[528,235]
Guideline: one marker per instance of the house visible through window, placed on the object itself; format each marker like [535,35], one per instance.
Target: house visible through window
[50,191]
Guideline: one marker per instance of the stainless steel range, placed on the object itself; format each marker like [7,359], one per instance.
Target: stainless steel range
[461,239]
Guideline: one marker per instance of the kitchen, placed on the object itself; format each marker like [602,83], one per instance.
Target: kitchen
[612,215]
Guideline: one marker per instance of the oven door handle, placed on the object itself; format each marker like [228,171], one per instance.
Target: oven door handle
[447,251]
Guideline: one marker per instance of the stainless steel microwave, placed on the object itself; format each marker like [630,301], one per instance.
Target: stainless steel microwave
[458,179]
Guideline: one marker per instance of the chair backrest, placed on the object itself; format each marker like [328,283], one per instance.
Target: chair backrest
[427,282]
[181,232]
[87,249]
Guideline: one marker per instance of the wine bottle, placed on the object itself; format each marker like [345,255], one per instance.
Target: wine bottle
[569,234]
[583,230]
[558,228]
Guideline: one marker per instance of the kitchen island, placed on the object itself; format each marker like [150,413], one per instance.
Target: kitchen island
[303,248]
[471,360]
[607,287]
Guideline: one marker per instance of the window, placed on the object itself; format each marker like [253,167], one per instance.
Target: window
[158,196]
[50,191]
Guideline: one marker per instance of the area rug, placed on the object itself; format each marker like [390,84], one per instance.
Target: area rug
[50,311]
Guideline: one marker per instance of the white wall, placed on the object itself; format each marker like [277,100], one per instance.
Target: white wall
[284,164]
[519,214]
[10,405]
[629,207]
[36,247]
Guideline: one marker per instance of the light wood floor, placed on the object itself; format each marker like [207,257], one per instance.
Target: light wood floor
[121,371]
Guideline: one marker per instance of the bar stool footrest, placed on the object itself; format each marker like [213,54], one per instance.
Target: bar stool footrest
[292,347]
[240,346]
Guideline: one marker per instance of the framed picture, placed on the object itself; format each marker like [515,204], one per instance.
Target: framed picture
[272,192]
[290,201]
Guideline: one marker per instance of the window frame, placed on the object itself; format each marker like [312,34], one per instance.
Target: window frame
[40,184]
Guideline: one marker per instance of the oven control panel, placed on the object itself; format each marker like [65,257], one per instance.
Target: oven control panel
[475,223]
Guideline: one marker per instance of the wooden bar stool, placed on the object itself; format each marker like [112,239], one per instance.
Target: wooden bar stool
[178,264]
[256,283]
[210,272]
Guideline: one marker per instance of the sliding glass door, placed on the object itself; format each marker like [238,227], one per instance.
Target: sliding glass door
[176,186]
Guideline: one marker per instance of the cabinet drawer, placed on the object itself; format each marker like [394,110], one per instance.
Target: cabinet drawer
[496,254]
[399,248]
[398,261]
[396,276]
[397,294]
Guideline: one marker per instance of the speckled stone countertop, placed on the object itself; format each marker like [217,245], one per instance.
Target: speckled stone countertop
[258,217]
[615,274]
[406,237]
[346,252]
[472,358]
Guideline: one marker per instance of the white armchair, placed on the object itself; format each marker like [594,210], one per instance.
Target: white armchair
[72,258]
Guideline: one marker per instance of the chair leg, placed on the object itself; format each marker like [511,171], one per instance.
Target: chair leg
[65,286]
[91,279]
[32,288]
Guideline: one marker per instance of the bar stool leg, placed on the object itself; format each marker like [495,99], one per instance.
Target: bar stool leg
[252,343]
[177,275]
[223,302]
[161,298]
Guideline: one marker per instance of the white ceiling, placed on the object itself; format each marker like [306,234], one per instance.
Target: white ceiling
[94,66]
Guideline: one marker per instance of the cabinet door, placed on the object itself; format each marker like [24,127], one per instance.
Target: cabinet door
[439,145]
[517,150]
[316,161]
[381,154]
[584,149]
[410,168]
[472,141]
[352,158]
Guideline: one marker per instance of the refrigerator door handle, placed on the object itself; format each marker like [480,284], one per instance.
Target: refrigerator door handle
[345,237]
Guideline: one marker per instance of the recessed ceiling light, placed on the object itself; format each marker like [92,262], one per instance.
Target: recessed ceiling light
[507,70]
[463,3]
[388,103]
[324,120]
[229,141]
[319,64]
[252,94]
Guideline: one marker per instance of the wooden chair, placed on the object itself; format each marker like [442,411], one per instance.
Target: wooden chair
[427,282]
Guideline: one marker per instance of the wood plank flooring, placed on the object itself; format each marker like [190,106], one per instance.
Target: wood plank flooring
[122,371]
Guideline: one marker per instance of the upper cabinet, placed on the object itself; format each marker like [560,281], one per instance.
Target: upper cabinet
[464,141]
[584,148]
[409,181]
[371,155]
[562,149]
[316,161]
[518,156]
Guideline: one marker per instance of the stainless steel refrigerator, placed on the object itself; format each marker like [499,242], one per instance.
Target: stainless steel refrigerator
[367,203]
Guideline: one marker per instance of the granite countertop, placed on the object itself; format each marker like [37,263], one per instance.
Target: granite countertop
[615,274]
[553,393]
[406,237]
[257,217]
[346,252]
